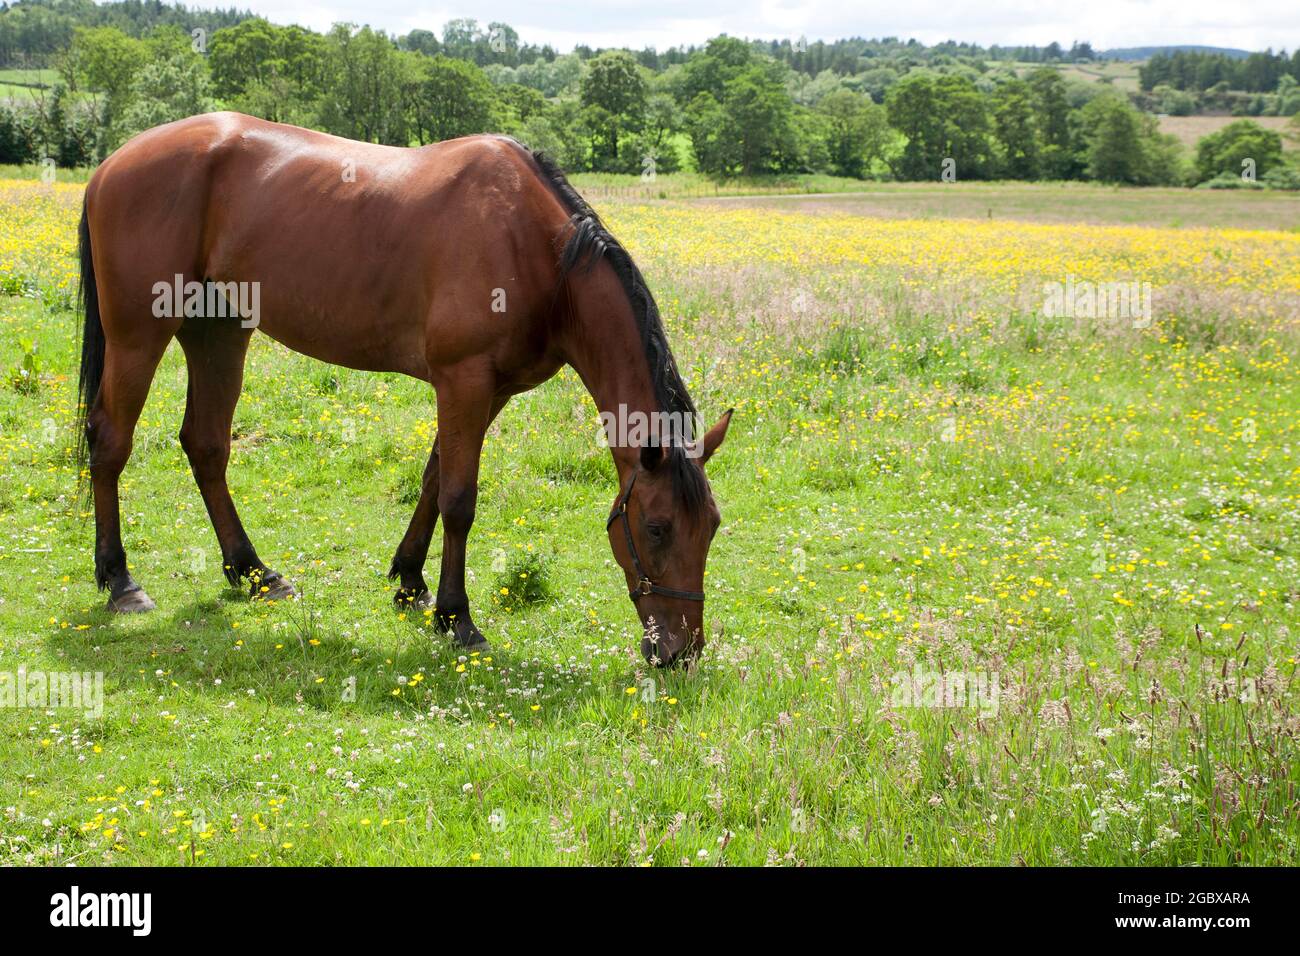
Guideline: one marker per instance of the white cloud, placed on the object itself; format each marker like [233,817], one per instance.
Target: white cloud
[665,23]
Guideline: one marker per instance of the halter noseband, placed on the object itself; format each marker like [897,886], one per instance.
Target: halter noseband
[644,585]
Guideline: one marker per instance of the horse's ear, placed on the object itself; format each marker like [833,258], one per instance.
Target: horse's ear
[713,437]
[651,455]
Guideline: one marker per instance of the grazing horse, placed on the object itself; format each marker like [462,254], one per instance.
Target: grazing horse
[472,265]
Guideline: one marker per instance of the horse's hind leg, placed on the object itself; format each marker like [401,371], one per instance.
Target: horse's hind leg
[408,562]
[129,368]
[214,355]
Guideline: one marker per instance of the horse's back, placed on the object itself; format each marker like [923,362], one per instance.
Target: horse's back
[235,145]
[355,238]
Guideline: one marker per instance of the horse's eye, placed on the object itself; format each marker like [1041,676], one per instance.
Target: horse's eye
[657,532]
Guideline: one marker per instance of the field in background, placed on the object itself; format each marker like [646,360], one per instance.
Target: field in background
[34,172]
[1030,202]
[1191,129]
[1121,75]
[1061,203]
[925,475]
[24,84]
[607,187]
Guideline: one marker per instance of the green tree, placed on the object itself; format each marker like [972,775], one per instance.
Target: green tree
[107,62]
[70,131]
[241,55]
[20,133]
[613,95]
[167,89]
[523,102]
[565,140]
[1116,143]
[277,73]
[943,118]
[1288,95]
[857,131]
[1174,102]
[1228,149]
[365,84]
[551,77]
[33,33]
[706,123]
[421,41]
[652,146]
[912,106]
[807,147]
[460,38]
[1111,140]
[709,71]
[1052,117]
[751,130]
[1016,130]
[454,98]
[167,41]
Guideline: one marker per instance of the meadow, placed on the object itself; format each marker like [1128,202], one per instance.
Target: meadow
[19,84]
[1190,129]
[1122,74]
[930,485]
[1075,202]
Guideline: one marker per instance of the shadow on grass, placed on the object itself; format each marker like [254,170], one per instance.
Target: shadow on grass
[295,656]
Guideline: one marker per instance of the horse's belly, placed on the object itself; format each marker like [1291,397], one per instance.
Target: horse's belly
[345,310]
[351,336]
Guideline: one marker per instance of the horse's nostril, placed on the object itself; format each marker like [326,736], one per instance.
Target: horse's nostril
[670,651]
[660,651]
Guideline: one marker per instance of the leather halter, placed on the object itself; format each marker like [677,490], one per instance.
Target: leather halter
[644,585]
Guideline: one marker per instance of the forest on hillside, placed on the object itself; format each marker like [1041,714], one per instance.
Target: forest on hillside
[77,79]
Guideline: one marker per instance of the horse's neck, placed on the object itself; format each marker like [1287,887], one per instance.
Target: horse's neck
[604,347]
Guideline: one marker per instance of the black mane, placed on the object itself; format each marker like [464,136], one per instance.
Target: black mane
[592,241]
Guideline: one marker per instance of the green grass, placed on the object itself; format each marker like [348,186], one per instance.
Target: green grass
[1087,520]
[25,82]
[24,85]
[30,171]
[29,78]
[1123,74]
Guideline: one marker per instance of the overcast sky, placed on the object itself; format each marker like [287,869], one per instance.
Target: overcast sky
[664,23]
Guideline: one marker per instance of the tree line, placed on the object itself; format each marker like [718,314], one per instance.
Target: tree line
[32,32]
[1200,70]
[730,107]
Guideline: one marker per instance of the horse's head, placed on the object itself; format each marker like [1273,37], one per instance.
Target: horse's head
[660,528]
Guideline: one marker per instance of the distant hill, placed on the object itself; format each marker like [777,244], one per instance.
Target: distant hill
[1147,52]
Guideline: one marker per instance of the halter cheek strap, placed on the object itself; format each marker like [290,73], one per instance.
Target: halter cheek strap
[644,585]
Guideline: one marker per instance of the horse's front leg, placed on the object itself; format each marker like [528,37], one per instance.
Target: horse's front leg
[408,562]
[466,405]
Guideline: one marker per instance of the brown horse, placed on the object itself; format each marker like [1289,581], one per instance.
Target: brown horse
[472,265]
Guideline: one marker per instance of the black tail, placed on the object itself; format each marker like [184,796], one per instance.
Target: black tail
[92,340]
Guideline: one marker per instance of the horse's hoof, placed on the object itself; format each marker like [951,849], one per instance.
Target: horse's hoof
[134,601]
[409,599]
[463,633]
[277,589]
[479,646]
[471,639]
